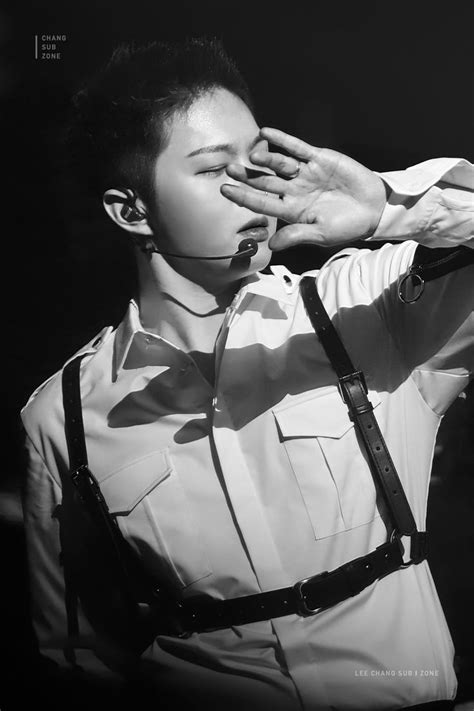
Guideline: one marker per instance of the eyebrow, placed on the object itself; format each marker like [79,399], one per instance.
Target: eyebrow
[222,148]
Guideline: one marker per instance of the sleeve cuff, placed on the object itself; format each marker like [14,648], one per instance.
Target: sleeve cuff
[429,203]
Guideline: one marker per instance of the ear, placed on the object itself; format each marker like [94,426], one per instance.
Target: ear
[114,200]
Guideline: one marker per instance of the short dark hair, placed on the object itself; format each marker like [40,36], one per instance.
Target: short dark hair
[119,118]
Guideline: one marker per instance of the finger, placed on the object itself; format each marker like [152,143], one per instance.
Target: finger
[293,145]
[292,235]
[255,200]
[284,165]
[257,179]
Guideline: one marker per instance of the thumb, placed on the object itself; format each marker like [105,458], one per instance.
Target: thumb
[291,235]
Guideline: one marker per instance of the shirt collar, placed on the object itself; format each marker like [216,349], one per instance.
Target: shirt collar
[281,286]
[126,331]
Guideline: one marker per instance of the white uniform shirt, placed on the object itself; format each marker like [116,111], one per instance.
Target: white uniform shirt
[259,482]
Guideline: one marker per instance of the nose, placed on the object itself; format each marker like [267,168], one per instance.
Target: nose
[237,172]
[231,179]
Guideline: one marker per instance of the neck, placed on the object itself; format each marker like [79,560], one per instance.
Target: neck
[179,309]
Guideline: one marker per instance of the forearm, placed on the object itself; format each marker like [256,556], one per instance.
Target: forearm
[431,203]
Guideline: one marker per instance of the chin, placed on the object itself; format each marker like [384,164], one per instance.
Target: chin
[249,265]
[262,259]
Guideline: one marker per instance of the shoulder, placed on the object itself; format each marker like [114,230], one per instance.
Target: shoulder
[43,408]
[278,280]
[356,272]
[350,276]
[353,257]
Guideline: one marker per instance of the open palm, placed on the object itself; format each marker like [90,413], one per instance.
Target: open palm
[325,197]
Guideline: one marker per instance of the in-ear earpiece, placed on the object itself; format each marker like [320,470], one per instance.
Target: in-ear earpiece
[132,214]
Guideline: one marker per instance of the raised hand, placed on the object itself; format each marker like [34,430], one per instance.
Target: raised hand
[326,197]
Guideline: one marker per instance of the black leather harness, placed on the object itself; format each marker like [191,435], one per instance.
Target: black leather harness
[306,597]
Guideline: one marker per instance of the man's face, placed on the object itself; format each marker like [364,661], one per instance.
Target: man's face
[194,218]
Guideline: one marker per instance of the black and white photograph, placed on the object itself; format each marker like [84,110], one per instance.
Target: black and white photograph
[239,411]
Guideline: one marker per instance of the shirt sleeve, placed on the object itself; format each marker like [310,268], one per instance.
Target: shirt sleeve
[65,637]
[429,204]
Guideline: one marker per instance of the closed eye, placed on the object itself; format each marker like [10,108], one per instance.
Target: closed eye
[213,171]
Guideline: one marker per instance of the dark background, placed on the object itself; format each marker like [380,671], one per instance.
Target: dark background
[388,84]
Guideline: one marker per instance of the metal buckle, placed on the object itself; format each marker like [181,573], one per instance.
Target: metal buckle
[301,606]
[169,609]
[395,535]
[357,375]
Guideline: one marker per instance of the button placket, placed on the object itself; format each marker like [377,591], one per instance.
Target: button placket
[232,315]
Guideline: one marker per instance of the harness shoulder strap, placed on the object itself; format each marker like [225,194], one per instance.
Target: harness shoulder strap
[86,485]
[143,600]
[428,264]
[353,391]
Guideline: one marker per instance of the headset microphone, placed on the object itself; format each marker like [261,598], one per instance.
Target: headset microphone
[131,213]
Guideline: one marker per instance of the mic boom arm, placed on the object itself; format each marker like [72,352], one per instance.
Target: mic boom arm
[247,248]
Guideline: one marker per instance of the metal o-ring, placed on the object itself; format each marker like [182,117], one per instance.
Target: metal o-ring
[402,297]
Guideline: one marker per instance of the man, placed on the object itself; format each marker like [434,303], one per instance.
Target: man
[213,420]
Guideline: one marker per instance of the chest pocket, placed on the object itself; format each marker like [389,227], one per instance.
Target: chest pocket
[332,473]
[155,514]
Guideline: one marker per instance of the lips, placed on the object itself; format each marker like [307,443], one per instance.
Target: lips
[256,229]
[255,222]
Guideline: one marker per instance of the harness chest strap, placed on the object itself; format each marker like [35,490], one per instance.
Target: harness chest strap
[305,597]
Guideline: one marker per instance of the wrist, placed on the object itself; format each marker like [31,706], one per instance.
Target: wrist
[381,195]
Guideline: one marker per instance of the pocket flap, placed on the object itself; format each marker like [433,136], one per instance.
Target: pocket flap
[318,415]
[124,488]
